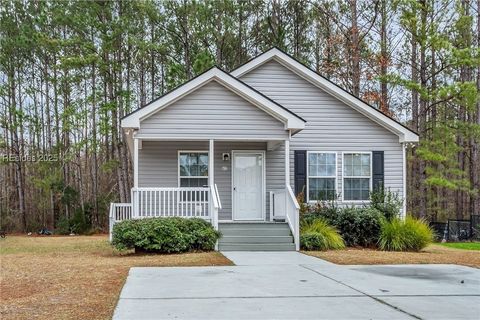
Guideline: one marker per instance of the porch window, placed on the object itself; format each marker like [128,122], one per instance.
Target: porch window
[356,176]
[193,168]
[322,177]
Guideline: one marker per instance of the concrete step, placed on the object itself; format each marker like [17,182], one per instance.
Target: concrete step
[256,232]
[255,239]
[253,225]
[257,247]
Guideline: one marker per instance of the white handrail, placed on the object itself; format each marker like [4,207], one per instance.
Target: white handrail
[218,197]
[216,205]
[292,212]
[119,212]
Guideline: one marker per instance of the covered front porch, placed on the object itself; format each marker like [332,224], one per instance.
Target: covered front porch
[220,180]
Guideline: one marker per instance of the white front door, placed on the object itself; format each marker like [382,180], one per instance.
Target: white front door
[248,185]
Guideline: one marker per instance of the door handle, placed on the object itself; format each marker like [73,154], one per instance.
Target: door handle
[234,188]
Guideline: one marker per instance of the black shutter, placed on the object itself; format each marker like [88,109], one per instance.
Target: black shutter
[378,170]
[300,171]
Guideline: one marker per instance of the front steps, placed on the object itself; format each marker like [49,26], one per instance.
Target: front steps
[255,236]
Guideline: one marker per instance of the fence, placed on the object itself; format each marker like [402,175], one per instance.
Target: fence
[458,230]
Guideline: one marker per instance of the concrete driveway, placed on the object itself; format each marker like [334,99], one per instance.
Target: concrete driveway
[290,285]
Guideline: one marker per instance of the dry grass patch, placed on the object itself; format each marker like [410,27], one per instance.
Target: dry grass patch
[73,277]
[432,254]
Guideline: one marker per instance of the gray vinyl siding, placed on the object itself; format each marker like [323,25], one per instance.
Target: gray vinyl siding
[213,111]
[158,167]
[331,124]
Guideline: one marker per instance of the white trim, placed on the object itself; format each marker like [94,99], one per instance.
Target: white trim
[205,138]
[307,195]
[194,177]
[290,120]
[404,179]
[264,183]
[403,133]
[360,177]
[211,162]
[287,162]
[135,162]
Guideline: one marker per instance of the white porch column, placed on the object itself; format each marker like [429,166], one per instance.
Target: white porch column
[135,162]
[211,156]
[404,174]
[134,195]
[287,162]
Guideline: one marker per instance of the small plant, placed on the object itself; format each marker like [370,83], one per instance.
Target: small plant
[405,235]
[387,202]
[166,235]
[319,235]
[359,226]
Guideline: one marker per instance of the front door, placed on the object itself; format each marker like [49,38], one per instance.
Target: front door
[248,185]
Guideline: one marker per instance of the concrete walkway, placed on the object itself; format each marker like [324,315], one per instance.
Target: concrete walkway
[290,285]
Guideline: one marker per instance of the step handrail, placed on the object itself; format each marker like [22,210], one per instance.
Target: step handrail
[292,212]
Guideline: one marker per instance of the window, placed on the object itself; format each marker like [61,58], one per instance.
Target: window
[356,176]
[193,168]
[322,174]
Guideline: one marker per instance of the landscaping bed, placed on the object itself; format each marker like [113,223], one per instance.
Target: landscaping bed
[435,254]
[73,277]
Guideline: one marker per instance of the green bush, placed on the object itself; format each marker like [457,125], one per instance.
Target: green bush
[319,235]
[405,235]
[166,235]
[387,202]
[359,226]
[327,211]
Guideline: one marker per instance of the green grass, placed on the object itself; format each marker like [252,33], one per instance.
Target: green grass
[462,245]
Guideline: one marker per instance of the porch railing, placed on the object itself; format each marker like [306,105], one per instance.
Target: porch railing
[168,202]
[284,206]
[119,212]
[293,211]
[171,202]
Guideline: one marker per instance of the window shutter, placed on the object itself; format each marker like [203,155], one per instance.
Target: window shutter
[300,165]
[378,174]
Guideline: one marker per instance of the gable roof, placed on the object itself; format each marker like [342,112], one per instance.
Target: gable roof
[291,120]
[405,134]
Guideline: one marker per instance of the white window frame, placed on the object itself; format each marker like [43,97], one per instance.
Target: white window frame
[370,185]
[326,177]
[178,166]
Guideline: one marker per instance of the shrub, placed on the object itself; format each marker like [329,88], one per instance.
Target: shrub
[359,226]
[387,202]
[319,235]
[409,235]
[327,211]
[165,235]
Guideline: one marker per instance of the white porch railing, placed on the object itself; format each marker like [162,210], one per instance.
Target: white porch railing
[119,212]
[169,202]
[293,216]
[284,205]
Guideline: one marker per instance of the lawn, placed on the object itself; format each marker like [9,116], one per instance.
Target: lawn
[73,277]
[462,245]
[432,254]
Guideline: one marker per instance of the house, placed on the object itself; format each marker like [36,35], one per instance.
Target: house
[236,148]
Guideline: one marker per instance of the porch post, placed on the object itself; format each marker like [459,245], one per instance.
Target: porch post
[135,162]
[404,180]
[287,162]
[134,200]
[211,156]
